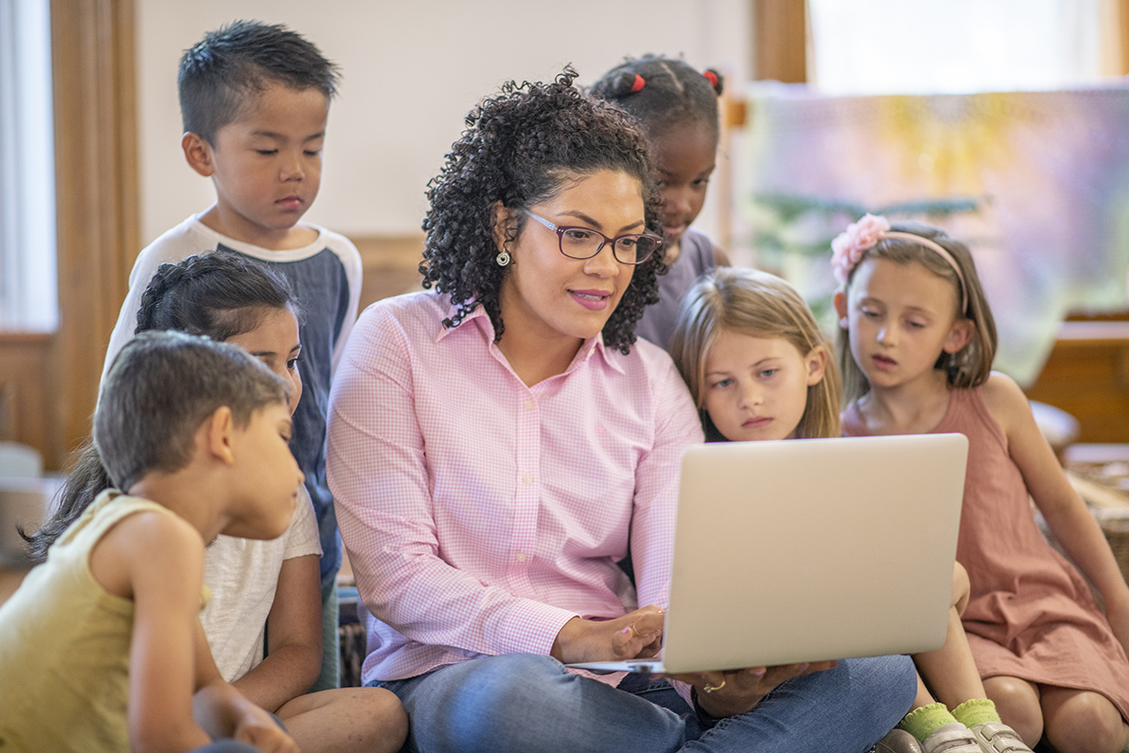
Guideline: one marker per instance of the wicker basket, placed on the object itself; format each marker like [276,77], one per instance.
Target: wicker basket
[1105,489]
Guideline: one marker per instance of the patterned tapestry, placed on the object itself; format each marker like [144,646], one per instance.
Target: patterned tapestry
[1036,183]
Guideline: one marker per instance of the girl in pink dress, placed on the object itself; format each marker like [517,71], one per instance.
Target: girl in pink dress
[916,346]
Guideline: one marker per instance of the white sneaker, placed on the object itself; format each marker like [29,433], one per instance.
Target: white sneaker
[952,738]
[897,741]
[997,737]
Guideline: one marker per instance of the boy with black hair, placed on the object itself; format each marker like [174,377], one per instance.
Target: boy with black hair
[254,100]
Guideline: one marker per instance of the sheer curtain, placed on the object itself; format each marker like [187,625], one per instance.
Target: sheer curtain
[958,46]
[28,289]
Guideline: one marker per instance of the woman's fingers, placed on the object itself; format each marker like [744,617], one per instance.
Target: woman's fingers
[640,634]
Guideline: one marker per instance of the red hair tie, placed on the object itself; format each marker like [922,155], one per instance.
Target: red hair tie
[711,77]
[639,84]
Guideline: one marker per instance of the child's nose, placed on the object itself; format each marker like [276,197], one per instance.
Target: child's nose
[292,168]
[676,201]
[887,335]
[751,396]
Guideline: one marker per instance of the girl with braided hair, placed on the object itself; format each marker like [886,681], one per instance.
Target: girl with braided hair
[676,106]
[257,587]
[496,443]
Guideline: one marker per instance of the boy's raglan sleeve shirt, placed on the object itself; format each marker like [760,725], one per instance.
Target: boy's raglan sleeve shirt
[172,247]
[350,259]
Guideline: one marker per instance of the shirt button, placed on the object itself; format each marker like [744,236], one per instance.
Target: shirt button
[527,480]
[521,556]
[529,405]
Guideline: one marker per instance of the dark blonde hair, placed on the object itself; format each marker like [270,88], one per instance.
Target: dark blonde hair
[754,303]
[969,366]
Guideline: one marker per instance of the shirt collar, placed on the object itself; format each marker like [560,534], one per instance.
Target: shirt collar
[590,347]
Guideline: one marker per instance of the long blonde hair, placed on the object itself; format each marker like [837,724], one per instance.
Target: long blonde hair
[968,367]
[757,304]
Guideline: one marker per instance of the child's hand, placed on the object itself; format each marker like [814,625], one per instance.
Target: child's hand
[737,691]
[259,728]
[635,635]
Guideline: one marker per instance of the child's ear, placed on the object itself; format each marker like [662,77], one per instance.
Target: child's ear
[219,435]
[840,301]
[503,219]
[959,336]
[817,364]
[198,153]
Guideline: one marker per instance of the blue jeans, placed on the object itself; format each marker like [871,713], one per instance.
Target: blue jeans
[522,703]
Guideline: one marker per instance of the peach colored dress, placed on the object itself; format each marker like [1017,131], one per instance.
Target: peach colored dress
[1031,613]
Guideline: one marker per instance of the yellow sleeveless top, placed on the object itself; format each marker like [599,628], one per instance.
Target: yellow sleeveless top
[64,646]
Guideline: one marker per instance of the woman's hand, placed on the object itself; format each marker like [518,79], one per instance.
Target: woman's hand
[635,635]
[736,691]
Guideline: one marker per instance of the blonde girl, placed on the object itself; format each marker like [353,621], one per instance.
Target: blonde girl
[754,359]
[758,367]
[916,346]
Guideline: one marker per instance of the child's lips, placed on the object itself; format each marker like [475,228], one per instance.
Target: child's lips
[290,202]
[884,363]
[757,422]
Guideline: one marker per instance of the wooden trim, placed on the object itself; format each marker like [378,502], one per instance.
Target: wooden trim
[780,41]
[390,263]
[93,62]
[1123,28]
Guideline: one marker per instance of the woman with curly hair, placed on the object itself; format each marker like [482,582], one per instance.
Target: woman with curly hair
[496,444]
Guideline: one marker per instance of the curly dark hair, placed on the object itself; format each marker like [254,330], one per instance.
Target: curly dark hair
[520,149]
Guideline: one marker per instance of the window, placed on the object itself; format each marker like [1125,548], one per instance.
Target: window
[28,289]
[959,46]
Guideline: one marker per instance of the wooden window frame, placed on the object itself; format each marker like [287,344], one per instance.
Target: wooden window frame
[51,381]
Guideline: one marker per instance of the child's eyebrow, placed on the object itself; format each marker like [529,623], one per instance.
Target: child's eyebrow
[920,309]
[708,171]
[758,364]
[282,137]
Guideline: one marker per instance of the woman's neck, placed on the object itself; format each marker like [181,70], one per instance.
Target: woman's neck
[914,407]
[534,358]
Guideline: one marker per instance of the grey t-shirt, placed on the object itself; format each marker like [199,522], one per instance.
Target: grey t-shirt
[657,324]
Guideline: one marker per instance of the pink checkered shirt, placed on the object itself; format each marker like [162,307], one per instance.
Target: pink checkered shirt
[480,514]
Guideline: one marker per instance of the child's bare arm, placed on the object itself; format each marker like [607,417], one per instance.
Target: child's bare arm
[294,634]
[1062,508]
[224,712]
[159,560]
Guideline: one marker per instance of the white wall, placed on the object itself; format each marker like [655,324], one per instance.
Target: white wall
[411,72]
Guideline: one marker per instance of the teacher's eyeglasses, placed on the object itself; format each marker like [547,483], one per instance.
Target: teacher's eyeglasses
[583,243]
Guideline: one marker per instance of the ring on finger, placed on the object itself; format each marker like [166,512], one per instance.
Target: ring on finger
[711,688]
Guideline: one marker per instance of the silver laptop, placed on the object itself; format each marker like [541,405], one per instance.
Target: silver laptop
[806,550]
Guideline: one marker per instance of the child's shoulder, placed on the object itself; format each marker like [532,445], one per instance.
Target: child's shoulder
[1001,391]
[1005,401]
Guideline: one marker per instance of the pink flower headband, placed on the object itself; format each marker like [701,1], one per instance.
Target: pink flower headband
[849,246]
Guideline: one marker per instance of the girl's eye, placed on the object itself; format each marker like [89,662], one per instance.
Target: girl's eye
[703,182]
[768,372]
[267,152]
[721,383]
[313,152]
[292,364]
[917,325]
